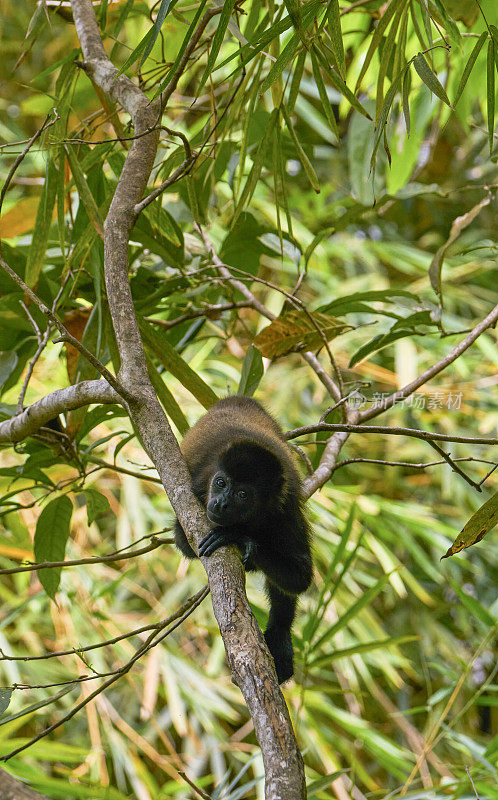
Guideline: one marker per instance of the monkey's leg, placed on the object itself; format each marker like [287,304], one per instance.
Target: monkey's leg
[278,631]
[181,541]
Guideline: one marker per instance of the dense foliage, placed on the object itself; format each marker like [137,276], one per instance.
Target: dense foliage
[340,159]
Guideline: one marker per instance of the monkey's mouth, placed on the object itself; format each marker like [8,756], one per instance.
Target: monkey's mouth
[214,518]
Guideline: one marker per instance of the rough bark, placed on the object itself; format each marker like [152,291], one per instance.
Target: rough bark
[247,654]
[12,789]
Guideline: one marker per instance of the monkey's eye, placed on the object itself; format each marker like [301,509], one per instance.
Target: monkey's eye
[243,494]
[220,482]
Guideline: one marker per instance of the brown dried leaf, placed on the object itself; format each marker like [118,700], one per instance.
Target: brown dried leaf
[75,322]
[294,331]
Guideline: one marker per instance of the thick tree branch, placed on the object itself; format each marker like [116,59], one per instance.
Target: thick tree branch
[12,789]
[34,417]
[246,651]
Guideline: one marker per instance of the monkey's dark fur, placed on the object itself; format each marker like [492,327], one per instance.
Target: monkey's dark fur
[244,473]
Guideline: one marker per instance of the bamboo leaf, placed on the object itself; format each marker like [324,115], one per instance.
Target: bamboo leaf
[307,166]
[377,37]
[469,65]
[429,78]
[36,255]
[225,15]
[334,20]
[164,8]
[491,93]
[158,344]
[322,91]
[280,64]
[353,611]
[480,523]
[341,86]
[253,178]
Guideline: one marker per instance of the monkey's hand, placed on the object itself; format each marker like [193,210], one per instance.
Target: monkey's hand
[248,551]
[218,537]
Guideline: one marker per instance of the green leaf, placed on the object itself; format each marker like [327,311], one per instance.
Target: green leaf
[382,120]
[405,326]
[340,84]
[361,647]
[334,20]
[5,695]
[228,7]
[167,400]
[469,65]
[166,354]
[353,611]
[307,166]
[480,523]
[8,363]
[377,37]
[51,535]
[164,8]
[429,78]
[36,255]
[252,372]
[491,93]
[406,86]
[182,49]
[96,504]
[322,91]
[84,192]
[257,166]
[347,303]
[280,64]
[474,606]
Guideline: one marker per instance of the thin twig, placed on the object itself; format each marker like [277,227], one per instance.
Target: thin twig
[142,650]
[489,321]
[65,335]
[76,562]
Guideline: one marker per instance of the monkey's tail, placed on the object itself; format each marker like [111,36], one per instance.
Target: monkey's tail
[278,631]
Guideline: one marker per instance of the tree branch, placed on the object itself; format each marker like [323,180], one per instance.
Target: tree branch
[401,394]
[35,416]
[247,654]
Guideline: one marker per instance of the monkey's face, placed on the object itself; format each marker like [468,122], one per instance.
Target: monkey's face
[229,501]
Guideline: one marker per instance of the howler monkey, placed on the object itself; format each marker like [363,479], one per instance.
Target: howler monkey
[243,472]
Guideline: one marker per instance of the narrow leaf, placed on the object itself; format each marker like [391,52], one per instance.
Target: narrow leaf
[161,16]
[491,93]
[308,168]
[334,20]
[39,239]
[253,177]
[280,64]
[228,7]
[377,36]
[84,192]
[322,91]
[480,523]
[469,65]
[353,611]
[429,78]
[159,345]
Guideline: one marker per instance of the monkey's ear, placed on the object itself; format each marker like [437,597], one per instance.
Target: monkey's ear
[254,463]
